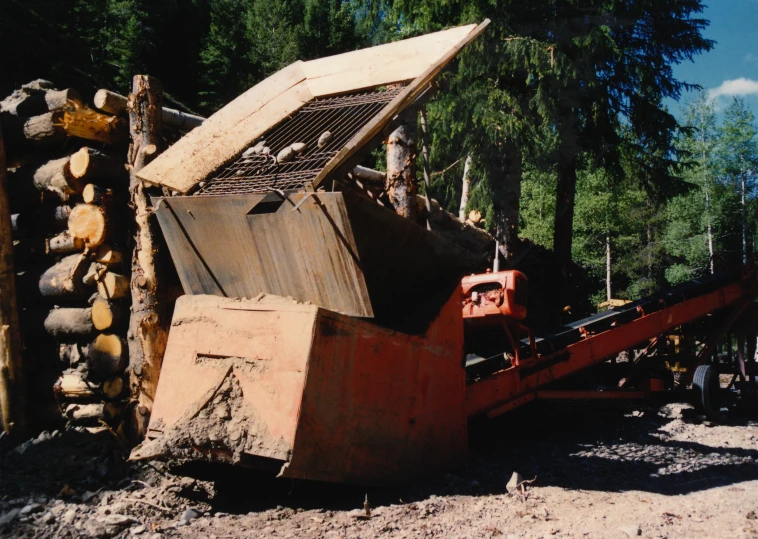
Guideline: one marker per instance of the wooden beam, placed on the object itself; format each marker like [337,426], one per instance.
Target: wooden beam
[12,379]
[407,96]
[227,133]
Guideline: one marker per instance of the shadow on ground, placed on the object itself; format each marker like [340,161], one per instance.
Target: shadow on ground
[572,445]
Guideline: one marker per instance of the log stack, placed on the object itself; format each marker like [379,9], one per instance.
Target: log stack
[69,194]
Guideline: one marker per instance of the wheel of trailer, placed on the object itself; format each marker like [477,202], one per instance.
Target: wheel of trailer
[706,385]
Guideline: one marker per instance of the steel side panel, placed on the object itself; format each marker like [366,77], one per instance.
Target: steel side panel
[219,248]
[493,394]
[380,406]
[270,344]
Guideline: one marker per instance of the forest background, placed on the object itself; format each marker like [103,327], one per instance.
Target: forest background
[557,109]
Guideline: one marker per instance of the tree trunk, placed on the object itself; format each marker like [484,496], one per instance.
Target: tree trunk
[743,188]
[608,268]
[65,322]
[401,168]
[64,278]
[12,379]
[465,190]
[148,325]
[711,261]
[504,177]
[427,174]
[563,234]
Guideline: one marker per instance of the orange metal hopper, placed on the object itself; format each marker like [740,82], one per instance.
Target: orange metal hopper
[317,394]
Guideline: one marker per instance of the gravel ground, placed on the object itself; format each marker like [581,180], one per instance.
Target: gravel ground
[599,469]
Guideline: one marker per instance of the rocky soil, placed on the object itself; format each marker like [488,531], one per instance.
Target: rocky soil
[599,469]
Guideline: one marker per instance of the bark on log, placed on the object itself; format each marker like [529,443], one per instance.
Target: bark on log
[85,413]
[401,169]
[64,278]
[100,196]
[88,164]
[12,379]
[373,178]
[72,386]
[107,355]
[63,243]
[57,99]
[44,129]
[116,104]
[148,325]
[60,217]
[89,223]
[106,315]
[55,176]
[32,100]
[113,286]
[71,354]
[66,322]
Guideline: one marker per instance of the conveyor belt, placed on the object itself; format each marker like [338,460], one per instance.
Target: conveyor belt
[570,333]
[559,338]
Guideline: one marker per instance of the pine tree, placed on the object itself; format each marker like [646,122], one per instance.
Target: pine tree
[739,162]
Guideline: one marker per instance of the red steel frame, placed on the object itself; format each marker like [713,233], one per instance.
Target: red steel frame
[517,385]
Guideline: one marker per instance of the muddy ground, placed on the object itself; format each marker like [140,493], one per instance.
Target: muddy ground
[599,469]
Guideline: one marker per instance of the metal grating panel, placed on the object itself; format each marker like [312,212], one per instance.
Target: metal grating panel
[343,116]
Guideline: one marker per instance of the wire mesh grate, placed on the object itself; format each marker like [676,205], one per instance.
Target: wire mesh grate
[343,116]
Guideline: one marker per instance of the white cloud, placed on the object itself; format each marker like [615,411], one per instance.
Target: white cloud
[735,87]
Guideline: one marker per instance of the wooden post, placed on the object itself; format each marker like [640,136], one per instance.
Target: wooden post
[148,327]
[12,380]
[401,168]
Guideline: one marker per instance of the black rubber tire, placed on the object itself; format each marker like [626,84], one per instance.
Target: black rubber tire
[706,386]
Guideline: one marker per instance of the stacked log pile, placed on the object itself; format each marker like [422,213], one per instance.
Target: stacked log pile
[68,187]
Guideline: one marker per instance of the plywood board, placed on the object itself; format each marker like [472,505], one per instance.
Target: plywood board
[227,133]
[393,62]
[402,100]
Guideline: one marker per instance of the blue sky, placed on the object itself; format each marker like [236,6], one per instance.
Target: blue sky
[731,67]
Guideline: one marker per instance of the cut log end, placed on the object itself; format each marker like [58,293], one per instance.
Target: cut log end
[113,286]
[105,315]
[107,356]
[88,222]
